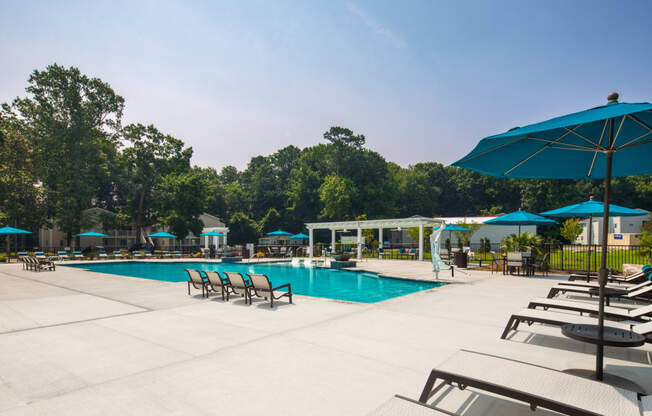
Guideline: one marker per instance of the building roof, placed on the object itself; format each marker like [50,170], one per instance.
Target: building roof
[210,221]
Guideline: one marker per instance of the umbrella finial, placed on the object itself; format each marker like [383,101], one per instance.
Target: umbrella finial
[613,97]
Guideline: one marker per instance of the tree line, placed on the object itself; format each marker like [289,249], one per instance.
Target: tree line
[64,150]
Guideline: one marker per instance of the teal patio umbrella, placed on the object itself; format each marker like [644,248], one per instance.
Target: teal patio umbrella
[279,233]
[520,218]
[11,231]
[162,234]
[601,142]
[450,228]
[589,209]
[299,236]
[91,234]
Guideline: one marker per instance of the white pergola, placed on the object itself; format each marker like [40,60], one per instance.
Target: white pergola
[395,223]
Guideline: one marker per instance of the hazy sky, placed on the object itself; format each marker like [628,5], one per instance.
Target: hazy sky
[423,80]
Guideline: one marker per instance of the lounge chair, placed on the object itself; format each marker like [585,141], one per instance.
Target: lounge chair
[640,314]
[640,290]
[400,405]
[117,254]
[530,316]
[216,284]
[137,254]
[78,254]
[27,263]
[165,254]
[63,255]
[197,281]
[412,253]
[239,286]
[632,278]
[22,254]
[147,253]
[102,253]
[40,255]
[532,384]
[262,287]
[177,254]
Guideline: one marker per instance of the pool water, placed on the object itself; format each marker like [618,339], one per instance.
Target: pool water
[310,281]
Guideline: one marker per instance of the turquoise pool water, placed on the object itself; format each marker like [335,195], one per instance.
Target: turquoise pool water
[316,281]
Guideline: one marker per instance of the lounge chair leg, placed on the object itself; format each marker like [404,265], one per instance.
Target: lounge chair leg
[425,394]
[508,327]
[188,288]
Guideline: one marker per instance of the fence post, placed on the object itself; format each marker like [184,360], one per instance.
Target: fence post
[562,256]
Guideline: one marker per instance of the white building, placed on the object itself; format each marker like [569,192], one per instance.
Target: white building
[622,230]
[213,224]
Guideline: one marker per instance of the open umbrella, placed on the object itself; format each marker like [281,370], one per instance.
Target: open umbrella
[520,218]
[601,142]
[279,233]
[162,234]
[91,234]
[11,231]
[450,228]
[299,236]
[212,234]
[590,209]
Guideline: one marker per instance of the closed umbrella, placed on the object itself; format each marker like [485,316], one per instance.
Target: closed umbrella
[589,209]
[601,142]
[11,231]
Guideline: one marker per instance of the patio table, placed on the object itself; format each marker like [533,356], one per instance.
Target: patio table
[612,337]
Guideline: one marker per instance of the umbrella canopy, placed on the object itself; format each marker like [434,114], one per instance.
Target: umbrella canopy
[600,142]
[162,234]
[91,234]
[589,209]
[451,227]
[213,234]
[592,208]
[520,218]
[299,236]
[279,232]
[11,230]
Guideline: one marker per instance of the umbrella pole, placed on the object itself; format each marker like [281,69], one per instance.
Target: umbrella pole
[588,265]
[603,261]
[8,248]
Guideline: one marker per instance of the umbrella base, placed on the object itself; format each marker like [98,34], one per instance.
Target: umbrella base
[607,378]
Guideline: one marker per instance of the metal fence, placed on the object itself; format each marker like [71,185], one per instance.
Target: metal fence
[574,257]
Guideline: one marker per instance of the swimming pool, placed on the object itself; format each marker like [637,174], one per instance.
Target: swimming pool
[310,281]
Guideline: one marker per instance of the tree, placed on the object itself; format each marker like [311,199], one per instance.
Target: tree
[464,237]
[72,120]
[337,195]
[179,200]
[150,157]
[242,229]
[571,229]
[524,242]
[342,137]
[270,222]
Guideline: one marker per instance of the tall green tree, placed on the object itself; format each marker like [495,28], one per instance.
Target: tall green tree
[73,121]
[149,157]
[571,229]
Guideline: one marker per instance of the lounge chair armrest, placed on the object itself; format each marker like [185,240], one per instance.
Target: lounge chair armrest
[282,286]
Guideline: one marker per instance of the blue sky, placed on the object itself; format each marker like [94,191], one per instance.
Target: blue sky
[423,80]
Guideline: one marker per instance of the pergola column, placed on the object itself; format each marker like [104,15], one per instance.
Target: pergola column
[380,241]
[310,243]
[359,243]
[332,240]
[421,242]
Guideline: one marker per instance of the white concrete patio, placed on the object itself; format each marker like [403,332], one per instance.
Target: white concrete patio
[79,343]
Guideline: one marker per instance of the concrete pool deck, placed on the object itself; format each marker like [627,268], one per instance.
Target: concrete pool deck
[76,342]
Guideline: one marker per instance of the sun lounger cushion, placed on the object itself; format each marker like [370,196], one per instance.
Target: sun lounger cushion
[536,385]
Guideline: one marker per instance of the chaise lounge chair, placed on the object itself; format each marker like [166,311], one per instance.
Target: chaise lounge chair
[632,278]
[78,255]
[137,254]
[640,290]
[40,255]
[239,286]
[262,287]
[216,284]
[102,253]
[532,384]
[197,281]
[147,253]
[640,314]
[117,254]
[177,254]
[530,316]
[63,255]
